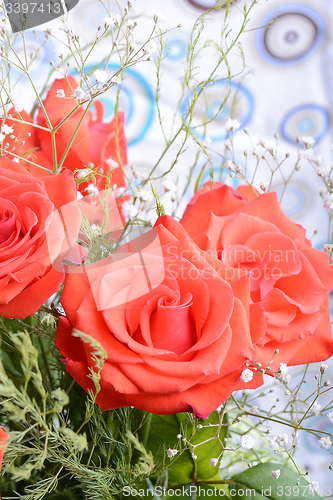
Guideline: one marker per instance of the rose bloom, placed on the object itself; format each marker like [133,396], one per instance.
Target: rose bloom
[39,223]
[175,331]
[290,280]
[102,144]
[3,441]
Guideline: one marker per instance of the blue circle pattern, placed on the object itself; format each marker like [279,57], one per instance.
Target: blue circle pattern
[305,125]
[244,120]
[285,9]
[296,199]
[177,49]
[131,114]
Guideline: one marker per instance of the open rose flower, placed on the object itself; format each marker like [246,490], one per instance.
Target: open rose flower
[290,280]
[102,144]
[175,331]
[39,223]
[3,441]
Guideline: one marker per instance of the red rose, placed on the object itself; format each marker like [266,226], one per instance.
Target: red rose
[290,280]
[3,441]
[39,220]
[171,325]
[95,142]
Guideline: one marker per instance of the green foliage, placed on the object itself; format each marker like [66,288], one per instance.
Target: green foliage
[200,438]
[259,479]
[60,440]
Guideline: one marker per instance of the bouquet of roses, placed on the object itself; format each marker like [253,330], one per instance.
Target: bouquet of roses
[129,346]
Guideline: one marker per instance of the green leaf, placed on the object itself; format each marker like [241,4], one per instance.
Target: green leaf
[163,435]
[211,449]
[183,469]
[259,479]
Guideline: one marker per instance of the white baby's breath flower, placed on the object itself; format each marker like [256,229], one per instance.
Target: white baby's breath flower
[325,442]
[132,47]
[313,487]
[329,201]
[283,368]
[227,144]
[307,141]
[92,190]
[96,229]
[17,106]
[171,453]
[263,186]
[6,129]
[213,462]
[79,93]
[247,375]
[116,80]
[229,165]
[109,21]
[306,154]
[129,210]
[84,173]
[117,20]
[276,473]
[144,195]
[101,76]
[269,145]
[246,442]
[316,407]
[65,26]
[16,159]
[60,93]
[119,192]
[2,137]
[328,247]
[151,46]
[283,373]
[112,164]
[206,142]
[169,186]
[232,125]
[329,416]
[323,368]
[281,439]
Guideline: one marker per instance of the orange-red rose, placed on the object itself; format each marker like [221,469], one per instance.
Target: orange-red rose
[176,332]
[290,280]
[95,142]
[3,441]
[39,220]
